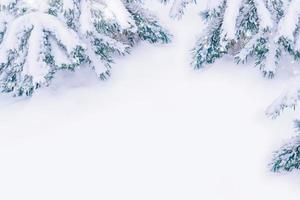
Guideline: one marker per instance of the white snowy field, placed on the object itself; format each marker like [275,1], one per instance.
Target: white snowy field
[156,130]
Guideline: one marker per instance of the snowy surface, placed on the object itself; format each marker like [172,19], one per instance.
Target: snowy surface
[155,130]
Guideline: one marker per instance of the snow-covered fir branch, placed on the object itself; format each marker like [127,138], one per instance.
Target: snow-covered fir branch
[259,30]
[38,38]
[244,29]
[287,158]
[289,99]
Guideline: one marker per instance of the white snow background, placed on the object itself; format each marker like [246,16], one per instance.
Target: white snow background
[156,130]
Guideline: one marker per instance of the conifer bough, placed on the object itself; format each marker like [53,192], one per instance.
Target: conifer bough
[260,30]
[40,37]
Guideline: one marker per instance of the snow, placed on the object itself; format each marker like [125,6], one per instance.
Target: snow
[34,58]
[213,4]
[155,130]
[86,24]
[6,2]
[264,15]
[37,4]
[230,15]
[289,23]
[119,12]
[69,4]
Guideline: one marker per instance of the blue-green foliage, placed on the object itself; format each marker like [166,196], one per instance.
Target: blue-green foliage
[148,27]
[208,47]
[287,158]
